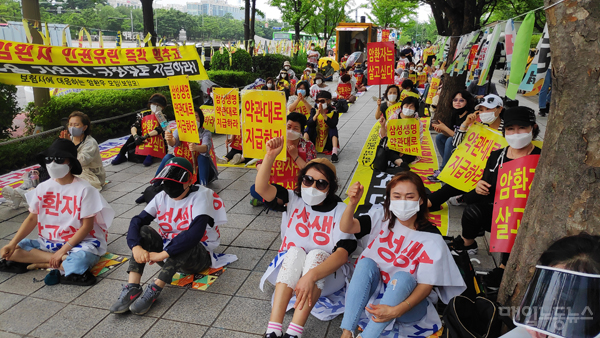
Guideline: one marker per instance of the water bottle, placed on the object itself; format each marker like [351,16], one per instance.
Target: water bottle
[161,120]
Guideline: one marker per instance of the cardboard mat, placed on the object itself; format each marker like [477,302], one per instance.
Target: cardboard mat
[199,281]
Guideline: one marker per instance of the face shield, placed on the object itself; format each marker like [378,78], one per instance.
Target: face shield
[561,303]
[174,172]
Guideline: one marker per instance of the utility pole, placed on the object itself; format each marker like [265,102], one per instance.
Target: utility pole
[31,11]
[131,16]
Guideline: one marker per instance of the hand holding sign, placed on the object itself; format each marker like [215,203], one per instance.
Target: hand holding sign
[355,193]
[482,188]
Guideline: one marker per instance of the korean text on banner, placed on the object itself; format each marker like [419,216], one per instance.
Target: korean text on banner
[381,63]
[303,109]
[403,136]
[433,88]
[227,106]
[24,64]
[465,167]
[209,117]
[514,185]
[263,118]
[184,109]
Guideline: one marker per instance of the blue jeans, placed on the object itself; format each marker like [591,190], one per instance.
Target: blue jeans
[444,146]
[544,99]
[76,263]
[364,282]
[203,167]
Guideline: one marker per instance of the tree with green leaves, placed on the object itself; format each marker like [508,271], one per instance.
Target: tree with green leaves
[392,13]
[330,13]
[9,10]
[82,4]
[297,13]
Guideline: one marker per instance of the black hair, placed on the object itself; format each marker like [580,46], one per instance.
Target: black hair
[411,100]
[409,43]
[345,78]
[407,84]
[320,76]
[577,253]
[200,116]
[388,89]
[299,118]
[429,41]
[467,96]
[323,169]
[305,84]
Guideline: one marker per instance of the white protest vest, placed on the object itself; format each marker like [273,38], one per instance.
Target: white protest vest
[173,217]
[422,254]
[61,209]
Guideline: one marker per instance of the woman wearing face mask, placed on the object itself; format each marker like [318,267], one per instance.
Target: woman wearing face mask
[307,77]
[291,75]
[302,102]
[405,268]
[421,76]
[391,95]
[142,135]
[321,128]
[313,258]
[209,101]
[412,72]
[88,152]
[519,130]
[270,84]
[319,86]
[313,55]
[71,218]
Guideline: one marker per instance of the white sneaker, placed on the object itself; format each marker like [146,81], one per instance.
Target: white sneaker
[251,162]
[237,159]
[455,202]
[221,160]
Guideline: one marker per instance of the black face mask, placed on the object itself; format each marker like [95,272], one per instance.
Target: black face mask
[173,189]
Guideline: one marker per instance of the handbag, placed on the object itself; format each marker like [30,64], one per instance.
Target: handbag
[467,318]
[380,159]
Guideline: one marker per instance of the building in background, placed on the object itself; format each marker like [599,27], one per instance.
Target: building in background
[216,8]
[125,3]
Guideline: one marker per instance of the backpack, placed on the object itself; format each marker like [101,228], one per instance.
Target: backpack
[463,262]
[341,106]
[467,318]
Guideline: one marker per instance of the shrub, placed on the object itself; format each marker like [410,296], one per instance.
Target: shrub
[220,61]
[268,65]
[230,78]
[9,109]
[300,60]
[241,61]
[298,70]
[534,40]
[22,154]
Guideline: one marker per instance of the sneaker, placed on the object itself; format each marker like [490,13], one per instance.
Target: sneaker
[492,280]
[128,295]
[119,159]
[251,162]
[458,244]
[144,303]
[272,335]
[85,279]
[433,178]
[222,160]
[256,202]
[13,267]
[456,201]
[287,335]
[334,158]
[148,161]
[236,159]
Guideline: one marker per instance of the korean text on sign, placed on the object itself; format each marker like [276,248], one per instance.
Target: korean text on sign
[263,118]
[209,117]
[184,109]
[380,56]
[227,105]
[94,68]
[465,167]
[512,191]
[404,136]
[433,88]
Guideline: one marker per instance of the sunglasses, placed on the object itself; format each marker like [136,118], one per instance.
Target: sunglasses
[458,100]
[309,181]
[321,101]
[57,160]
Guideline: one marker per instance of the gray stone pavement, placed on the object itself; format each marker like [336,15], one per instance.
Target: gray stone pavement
[233,306]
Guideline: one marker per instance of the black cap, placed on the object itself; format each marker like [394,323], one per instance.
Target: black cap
[62,148]
[521,116]
[158,99]
[324,94]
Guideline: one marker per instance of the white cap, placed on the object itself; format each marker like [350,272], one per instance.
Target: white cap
[490,101]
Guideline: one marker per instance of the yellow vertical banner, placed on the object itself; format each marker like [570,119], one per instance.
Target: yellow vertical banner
[138,41]
[227,106]
[465,167]
[404,136]
[146,39]
[27,31]
[263,118]
[183,106]
[47,40]
[433,88]
[100,39]
[119,39]
[64,42]
[80,38]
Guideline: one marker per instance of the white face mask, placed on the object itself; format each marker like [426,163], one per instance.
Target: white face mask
[313,196]
[312,48]
[56,170]
[286,67]
[157,109]
[412,68]
[76,131]
[419,69]
[487,117]
[404,210]
[323,106]
[293,135]
[211,95]
[283,75]
[408,112]
[519,141]
[392,97]
[318,81]
[269,85]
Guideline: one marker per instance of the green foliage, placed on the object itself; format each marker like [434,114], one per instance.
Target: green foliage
[330,14]
[419,31]
[241,61]
[9,109]
[9,9]
[298,70]
[534,40]
[392,13]
[22,154]
[506,9]
[296,12]
[268,65]
[220,61]
[230,78]
[300,59]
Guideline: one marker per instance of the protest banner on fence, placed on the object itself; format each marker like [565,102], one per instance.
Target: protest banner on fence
[183,106]
[403,136]
[512,190]
[209,117]
[433,88]
[24,64]
[227,106]
[263,118]
[465,167]
[380,56]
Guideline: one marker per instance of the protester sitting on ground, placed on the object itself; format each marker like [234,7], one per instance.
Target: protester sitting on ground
[291,74]
[270,85]
[283,79]
[422,78]
[142,136]
[398,77]
[328,71]
[412,72]
[306,76]
[391,95]
[410,107]
[408,89]
[390,286]
[71,217]
[186,246]
[197,153]
[31,179]
[299,150]
[313,55]
[311,263]
[344,59]
[520,129]
[480,91]
[319,86]
[302,95]
[462,103]
[88,152]
[345,89]
[349,71]
[321,127]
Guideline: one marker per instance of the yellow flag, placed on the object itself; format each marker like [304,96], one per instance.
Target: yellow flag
[47,38]
[100,39]
[64,37]
[80,38]
[87,34]
[27,31]
[119,39]
[146,39]
[139,42]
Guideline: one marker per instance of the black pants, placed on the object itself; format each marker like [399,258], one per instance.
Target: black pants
[128,150]
[477,217]
[232,152]
[192,261]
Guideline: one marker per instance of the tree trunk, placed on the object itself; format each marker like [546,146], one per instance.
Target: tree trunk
[31,11]
[246,21]
[451,85]
[565,195]
[252,27]
[297,37]
[148,20]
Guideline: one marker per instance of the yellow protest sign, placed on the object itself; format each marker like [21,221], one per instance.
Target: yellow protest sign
[369,150]
[209,117]
[404,137]
[322,132]
[433,88]
[24,64]
[183,106]
[465,167]
[393,109]
[227,105]
[406,93]
[303,109]
[263,118]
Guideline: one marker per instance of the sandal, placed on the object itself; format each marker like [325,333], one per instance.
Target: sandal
[13,267]
[86,279]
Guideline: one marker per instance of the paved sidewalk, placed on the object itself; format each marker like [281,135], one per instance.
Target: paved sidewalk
[233,306]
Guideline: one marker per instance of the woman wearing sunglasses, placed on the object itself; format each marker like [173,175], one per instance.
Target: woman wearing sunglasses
[71,217]
[321,128]
[313,259]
